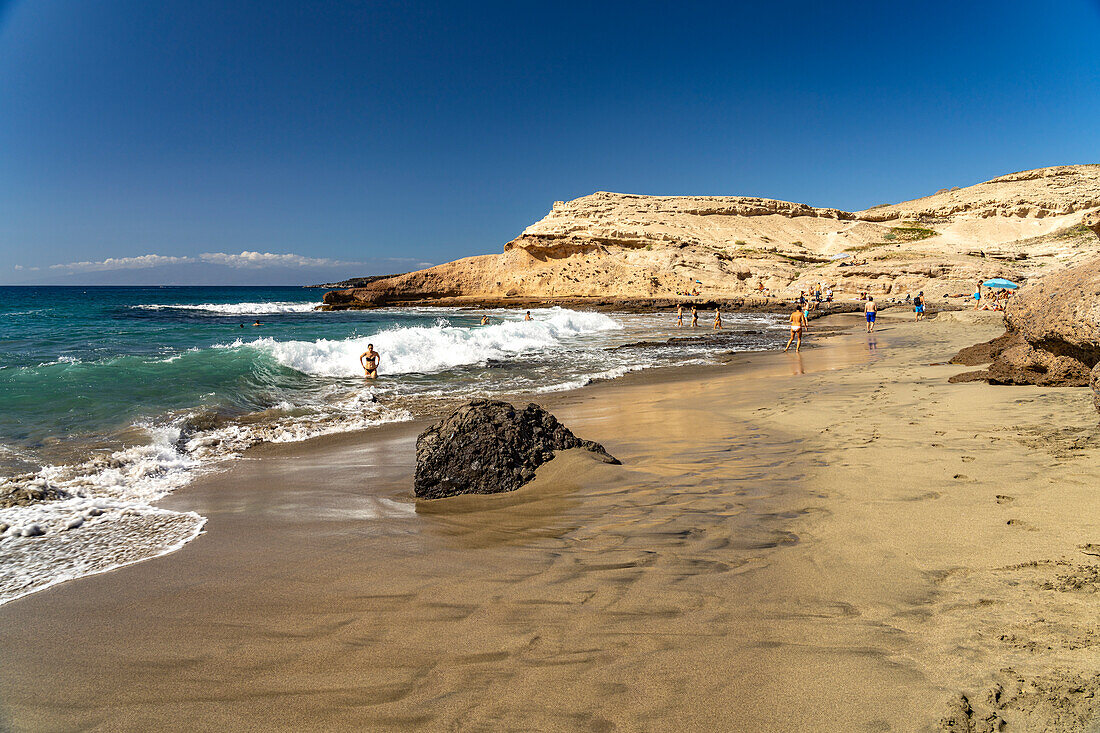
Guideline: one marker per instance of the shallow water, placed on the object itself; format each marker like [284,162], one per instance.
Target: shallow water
[117,396]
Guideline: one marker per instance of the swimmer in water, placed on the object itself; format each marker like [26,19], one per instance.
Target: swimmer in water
[485,320]
[528,317]
[369,360]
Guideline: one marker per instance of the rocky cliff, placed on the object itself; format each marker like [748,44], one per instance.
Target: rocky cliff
[1022,226]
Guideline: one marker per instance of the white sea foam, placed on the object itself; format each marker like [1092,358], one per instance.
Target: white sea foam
[244,309]
[107,519]
[426,349]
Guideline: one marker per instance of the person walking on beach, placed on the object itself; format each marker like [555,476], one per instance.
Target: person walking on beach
[918,305]
[871,310]
[369,360]
[977,296]
[798,322]
[694,317]
[717,319]
[680,316]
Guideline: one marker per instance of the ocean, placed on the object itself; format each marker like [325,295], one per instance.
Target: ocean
[116,396]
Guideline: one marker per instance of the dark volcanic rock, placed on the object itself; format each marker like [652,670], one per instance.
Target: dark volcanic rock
[487,447]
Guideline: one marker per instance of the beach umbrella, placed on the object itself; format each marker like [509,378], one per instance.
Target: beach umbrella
[1000,282]
[840,256]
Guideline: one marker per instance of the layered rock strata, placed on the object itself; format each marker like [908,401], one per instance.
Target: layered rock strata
[631,247]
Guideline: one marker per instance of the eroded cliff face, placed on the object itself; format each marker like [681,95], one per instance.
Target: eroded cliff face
[1020,226]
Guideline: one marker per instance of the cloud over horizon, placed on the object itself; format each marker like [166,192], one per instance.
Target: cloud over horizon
[244,259]
[246,267]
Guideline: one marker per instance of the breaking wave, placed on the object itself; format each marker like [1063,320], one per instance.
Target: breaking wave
[243,309]
[427,349]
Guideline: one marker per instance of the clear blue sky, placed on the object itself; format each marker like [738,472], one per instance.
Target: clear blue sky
[372,136]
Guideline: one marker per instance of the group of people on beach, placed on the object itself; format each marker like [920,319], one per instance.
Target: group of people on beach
[995,301]
[695,317]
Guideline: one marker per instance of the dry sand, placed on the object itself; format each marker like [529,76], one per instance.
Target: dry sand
[837,540]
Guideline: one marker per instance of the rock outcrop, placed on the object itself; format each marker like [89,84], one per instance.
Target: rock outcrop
[489,447]
[1052,337]
[1020,226]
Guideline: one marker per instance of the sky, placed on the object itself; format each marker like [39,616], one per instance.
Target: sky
[286,142]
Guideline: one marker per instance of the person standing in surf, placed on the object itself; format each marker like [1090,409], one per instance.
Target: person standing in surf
[871,310]
[694,317]
[369,360]
[680,316]
[717,319]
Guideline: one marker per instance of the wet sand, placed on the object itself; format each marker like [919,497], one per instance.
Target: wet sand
[837,540]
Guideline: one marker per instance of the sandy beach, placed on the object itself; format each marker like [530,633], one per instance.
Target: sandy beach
[832,540]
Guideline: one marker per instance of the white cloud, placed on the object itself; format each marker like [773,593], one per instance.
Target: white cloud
[269,259]
[244,259]
[140,262]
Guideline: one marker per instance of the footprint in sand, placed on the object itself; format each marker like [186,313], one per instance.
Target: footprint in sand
[1090,548]
[1002,499]
[1021,524]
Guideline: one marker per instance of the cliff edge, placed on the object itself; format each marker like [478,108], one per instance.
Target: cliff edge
[625,246]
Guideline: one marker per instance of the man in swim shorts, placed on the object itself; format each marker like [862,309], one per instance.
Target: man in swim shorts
[918,305]
[871,310]
[717,319]
[680,316]
[798,323]
[369,359]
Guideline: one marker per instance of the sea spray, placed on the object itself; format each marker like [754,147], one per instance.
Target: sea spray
[427,349]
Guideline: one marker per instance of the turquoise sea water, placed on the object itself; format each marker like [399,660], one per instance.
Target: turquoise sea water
[117,395]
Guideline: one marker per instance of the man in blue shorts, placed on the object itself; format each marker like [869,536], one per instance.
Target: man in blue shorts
[918,305]
[871,310]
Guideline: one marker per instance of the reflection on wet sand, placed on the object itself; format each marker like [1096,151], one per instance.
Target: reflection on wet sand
[324,596]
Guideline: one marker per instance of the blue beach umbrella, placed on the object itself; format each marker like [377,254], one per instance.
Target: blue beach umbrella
[1000,282]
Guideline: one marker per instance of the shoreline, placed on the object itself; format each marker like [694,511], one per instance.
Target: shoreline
[618,304]
[754,564]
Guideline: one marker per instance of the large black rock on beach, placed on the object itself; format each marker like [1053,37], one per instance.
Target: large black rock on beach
[488,447]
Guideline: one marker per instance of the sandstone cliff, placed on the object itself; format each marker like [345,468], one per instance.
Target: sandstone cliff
[1020,226]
